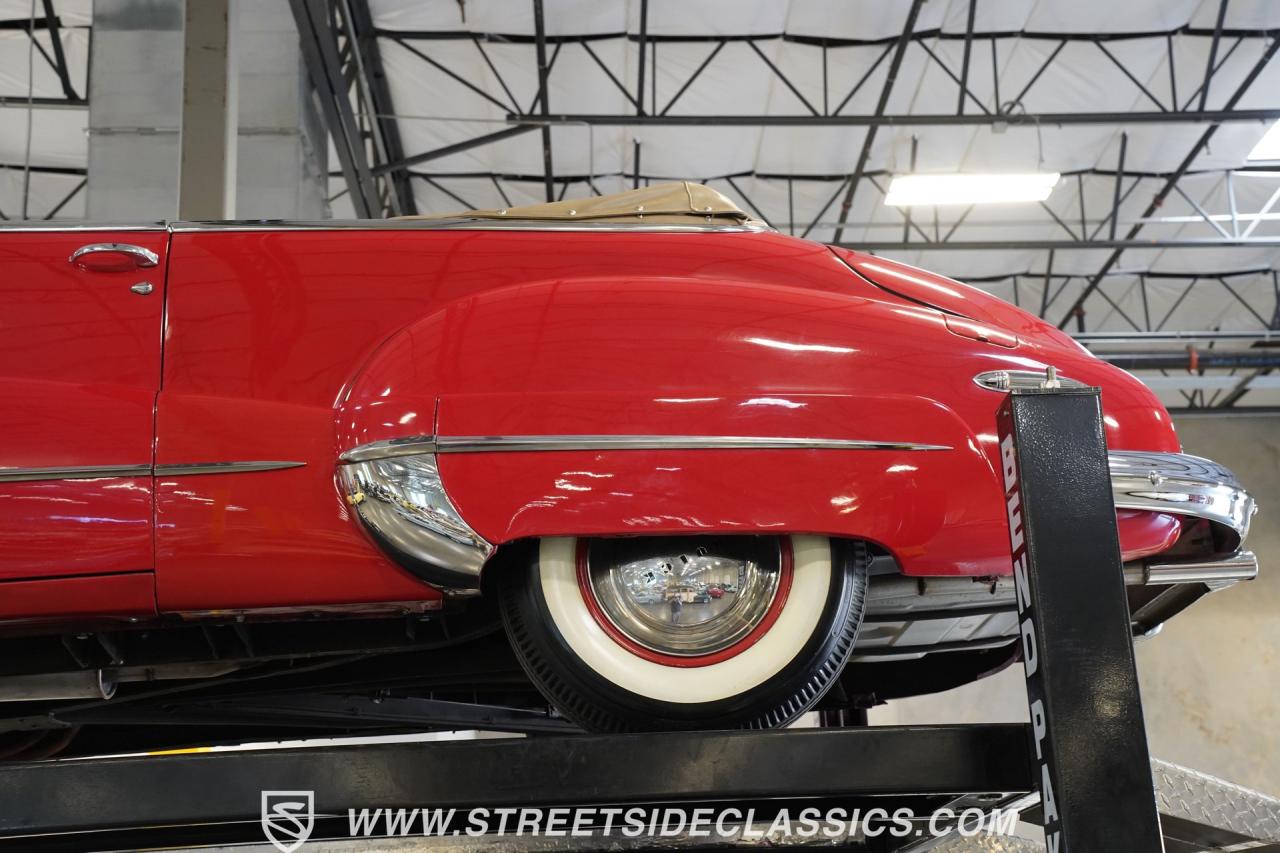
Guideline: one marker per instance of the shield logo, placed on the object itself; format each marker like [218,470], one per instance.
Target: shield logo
[288,818]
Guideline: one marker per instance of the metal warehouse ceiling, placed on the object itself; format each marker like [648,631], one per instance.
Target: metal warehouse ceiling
[802,111]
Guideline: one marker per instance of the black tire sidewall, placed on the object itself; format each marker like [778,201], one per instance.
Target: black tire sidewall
[597,704]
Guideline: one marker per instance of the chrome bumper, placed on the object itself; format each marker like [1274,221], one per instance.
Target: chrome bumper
[1183,485]
[1215,573]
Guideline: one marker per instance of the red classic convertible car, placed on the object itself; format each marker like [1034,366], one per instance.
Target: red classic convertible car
[453,460]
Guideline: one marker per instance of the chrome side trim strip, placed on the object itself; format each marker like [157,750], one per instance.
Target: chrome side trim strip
[186,469]
[63,227]
[81,472]
[392,225]
[1183,485]
[499,443]
[97,472]
[390,449]
[535,443]
[462,224]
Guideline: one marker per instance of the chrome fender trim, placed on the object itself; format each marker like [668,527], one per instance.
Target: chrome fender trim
[178,469]
[538,443]
[402,503]
[396,490]
[1183,485]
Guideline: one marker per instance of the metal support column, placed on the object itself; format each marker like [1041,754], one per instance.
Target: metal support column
[1093,769]
[206,188]
[135,111]
[282,153]
[320,52]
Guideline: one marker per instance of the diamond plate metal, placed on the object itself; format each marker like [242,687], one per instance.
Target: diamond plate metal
[984,843]
[1189,794]
[1181,793]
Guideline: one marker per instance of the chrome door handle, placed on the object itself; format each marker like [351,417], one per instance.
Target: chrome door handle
[112,257]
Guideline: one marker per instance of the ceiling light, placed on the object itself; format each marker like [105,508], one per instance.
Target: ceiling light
[1268,147]
[909,190]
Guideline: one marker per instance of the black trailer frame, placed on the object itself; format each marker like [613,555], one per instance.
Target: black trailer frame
[1084,755]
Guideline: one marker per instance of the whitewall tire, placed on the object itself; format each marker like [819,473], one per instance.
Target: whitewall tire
[781,643]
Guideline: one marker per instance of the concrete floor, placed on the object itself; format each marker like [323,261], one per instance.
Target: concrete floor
[1210,679]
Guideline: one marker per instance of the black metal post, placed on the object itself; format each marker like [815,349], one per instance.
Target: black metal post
[644,32]
[908,28]
[906,222]
[995,77]
[53,25]
[1275,288]
[1213,53]
[1115,198]
[541,49]
[365,36]
[320,54]
[964,63]
[1048,284]
[1088,739]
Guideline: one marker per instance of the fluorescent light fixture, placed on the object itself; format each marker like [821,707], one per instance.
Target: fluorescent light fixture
[1268,147]
[910,190]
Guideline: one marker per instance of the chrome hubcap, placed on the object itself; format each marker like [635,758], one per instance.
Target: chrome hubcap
[685,596]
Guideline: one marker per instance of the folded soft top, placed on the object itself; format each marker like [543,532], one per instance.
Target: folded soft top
[676,202]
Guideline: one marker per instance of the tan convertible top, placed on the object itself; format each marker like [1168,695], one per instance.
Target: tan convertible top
[674,203]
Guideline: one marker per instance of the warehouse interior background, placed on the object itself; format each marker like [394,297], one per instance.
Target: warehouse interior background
[1157,246]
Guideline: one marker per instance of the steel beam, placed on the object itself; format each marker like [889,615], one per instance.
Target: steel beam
[320,54]
[544,70]
[1031,120]
[1158,201]
[1115,198]
[894,65]
[54,26]
[365,37]
[1176,337]
[62,796]
[964,62]
[207,139]
[1211,67]
[932,34]
[1192,359]
[445,150]
[638,100]
[57,208]
[1020,245]
[43,103]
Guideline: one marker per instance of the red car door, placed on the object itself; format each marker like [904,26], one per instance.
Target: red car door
[80,334]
